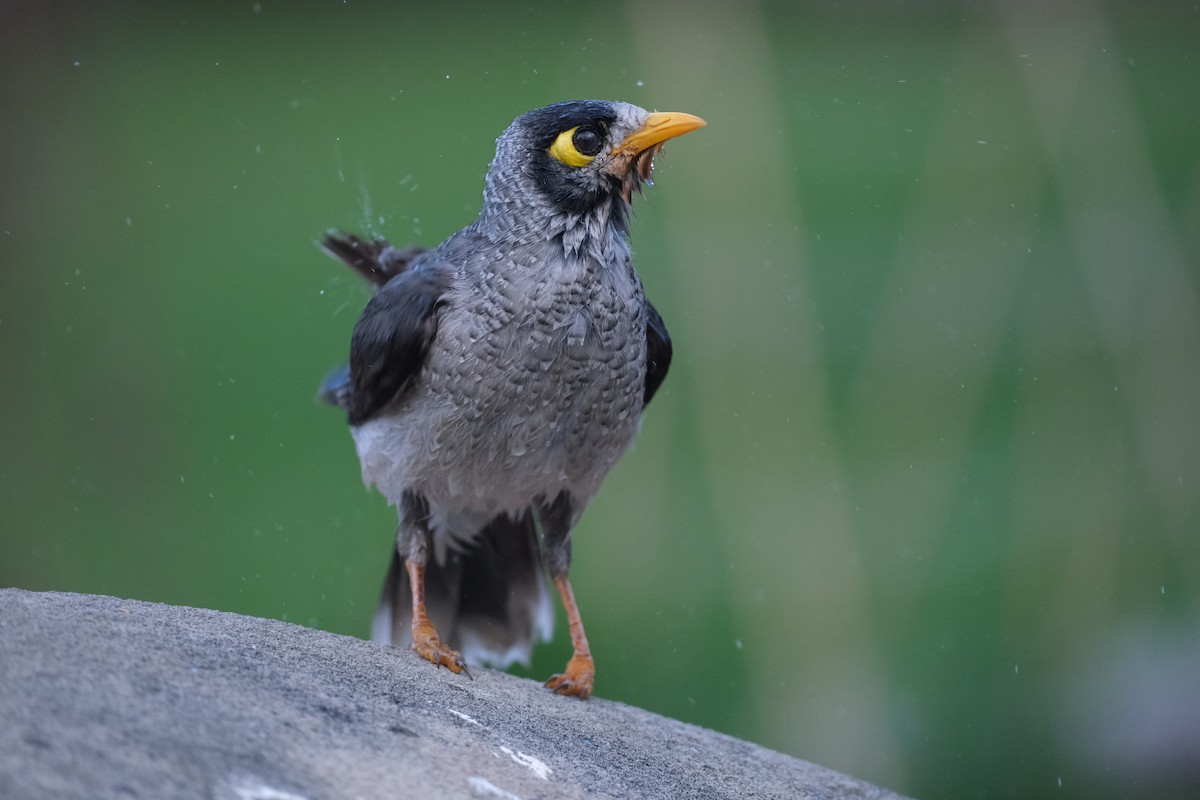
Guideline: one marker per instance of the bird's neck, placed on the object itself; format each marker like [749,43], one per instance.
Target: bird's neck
[581,235]
[592,234]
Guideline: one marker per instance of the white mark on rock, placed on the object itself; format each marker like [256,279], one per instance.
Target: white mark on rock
[471,720]
[484,787]
[253,789]
[538,768]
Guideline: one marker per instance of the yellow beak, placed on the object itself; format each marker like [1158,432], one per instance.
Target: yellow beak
[657,128]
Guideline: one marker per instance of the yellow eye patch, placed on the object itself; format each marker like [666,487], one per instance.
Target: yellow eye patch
[566,148]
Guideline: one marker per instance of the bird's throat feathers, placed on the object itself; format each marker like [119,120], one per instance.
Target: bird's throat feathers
[591,235]
[594,235]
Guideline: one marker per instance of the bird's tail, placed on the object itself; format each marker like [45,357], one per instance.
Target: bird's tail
[490,602]
[375,260]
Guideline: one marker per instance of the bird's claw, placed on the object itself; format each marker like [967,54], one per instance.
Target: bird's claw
[577,680]
[427,645]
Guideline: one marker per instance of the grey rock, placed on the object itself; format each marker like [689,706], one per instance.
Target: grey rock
[109,698]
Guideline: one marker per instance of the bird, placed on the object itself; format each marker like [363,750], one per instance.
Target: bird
[495,379]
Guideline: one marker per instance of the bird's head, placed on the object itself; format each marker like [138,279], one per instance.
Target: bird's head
[581,156]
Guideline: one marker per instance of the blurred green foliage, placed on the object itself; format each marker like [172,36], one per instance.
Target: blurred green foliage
[918,500]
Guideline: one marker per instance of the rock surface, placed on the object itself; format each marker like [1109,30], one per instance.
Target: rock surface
[109,698]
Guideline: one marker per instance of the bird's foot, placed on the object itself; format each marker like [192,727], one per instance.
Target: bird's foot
[577,680]
[428,645]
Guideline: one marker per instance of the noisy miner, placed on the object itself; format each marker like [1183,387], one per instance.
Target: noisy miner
[496,379]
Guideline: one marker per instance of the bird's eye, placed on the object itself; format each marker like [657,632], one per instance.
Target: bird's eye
[586,141]
[578,146]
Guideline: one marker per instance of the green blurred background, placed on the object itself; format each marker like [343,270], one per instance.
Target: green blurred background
[919,498]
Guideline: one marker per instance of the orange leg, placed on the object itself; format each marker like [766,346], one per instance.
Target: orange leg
[580,674]
[426,641]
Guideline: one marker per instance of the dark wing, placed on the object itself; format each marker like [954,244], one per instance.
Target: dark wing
[658,352]
[376,261]
[392,337]
[335,389]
